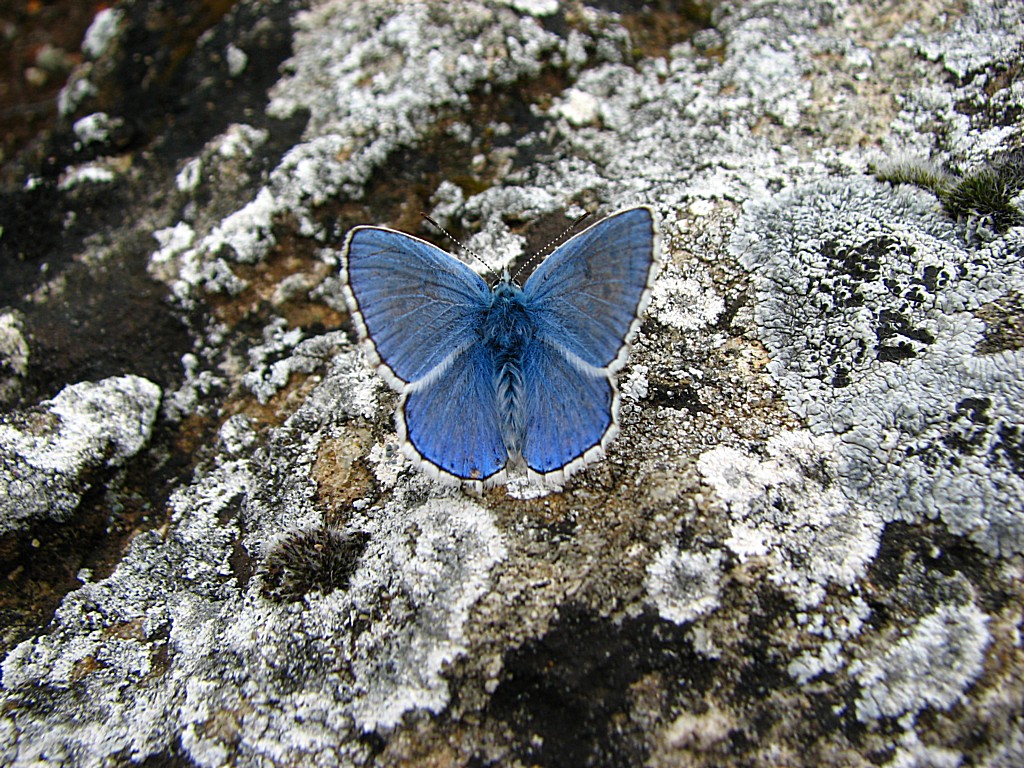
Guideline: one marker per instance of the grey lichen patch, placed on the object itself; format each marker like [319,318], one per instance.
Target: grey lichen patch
[434,566]
[180,618]
[825,633]
[697,379]
[974,41]
[14,355]
[932,665]
[787,508]
[283,354]
[48,453]
[374,82]
[686,303]
[865,296]
[683,584]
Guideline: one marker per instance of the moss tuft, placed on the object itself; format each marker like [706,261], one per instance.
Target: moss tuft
[989,193]
[318,559]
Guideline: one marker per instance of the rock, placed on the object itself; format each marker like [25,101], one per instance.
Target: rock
[50,454]
[804,548]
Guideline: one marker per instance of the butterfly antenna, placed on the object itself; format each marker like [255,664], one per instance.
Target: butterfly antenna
[547,248]
[455,240]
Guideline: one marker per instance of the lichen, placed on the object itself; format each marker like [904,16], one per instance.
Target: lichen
[181,613]
[47,453]
[14,355]
[865,300]
[930,666]
[787,507]
[684,585]
[785,607]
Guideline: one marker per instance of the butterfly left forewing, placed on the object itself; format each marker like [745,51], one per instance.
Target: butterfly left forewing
[411,302]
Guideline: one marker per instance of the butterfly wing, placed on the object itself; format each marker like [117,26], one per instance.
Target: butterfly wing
[586,301]
[588,296]
[571,413]
[420,312]
[413,304]
[449,421]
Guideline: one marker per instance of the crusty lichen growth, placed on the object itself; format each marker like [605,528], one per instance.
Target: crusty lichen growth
[865,298]
[738,582]
[48,454]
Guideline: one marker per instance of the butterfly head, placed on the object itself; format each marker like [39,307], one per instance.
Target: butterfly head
[505,278]
[506,323]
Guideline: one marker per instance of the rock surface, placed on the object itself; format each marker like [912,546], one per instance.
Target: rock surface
[805,547]
[48,453]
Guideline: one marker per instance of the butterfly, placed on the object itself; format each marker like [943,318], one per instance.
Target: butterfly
[503,377]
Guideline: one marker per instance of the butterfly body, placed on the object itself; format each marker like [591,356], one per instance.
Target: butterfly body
[506,332]
[503,377]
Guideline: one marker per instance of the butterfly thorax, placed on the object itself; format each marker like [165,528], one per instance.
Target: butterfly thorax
[507,330]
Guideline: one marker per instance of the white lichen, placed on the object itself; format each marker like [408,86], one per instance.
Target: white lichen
[684,585]
[46,453]
[432,569]
[101,32]
[177,628]
[786,507]
[932,665]
[95,128]
[86,173]
[176,618]
[14,354]
[237,60]
[865,295]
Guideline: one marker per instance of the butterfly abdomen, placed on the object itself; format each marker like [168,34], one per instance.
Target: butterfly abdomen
[512,408]
[507,330]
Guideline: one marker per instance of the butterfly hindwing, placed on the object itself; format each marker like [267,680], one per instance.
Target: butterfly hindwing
[585,300]
[450,421]
[588,295]
[570,411]
[414,304]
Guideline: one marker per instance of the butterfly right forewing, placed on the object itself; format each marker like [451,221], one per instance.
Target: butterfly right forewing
[589,294]
[585,301]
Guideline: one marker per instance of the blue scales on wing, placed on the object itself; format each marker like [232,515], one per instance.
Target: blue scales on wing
[420,310]
[452,420]
[504,376]
[414,303]
[569,410]
[586,296]
[584,301]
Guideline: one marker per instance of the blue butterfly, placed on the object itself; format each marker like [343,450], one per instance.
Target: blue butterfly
[503,377]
